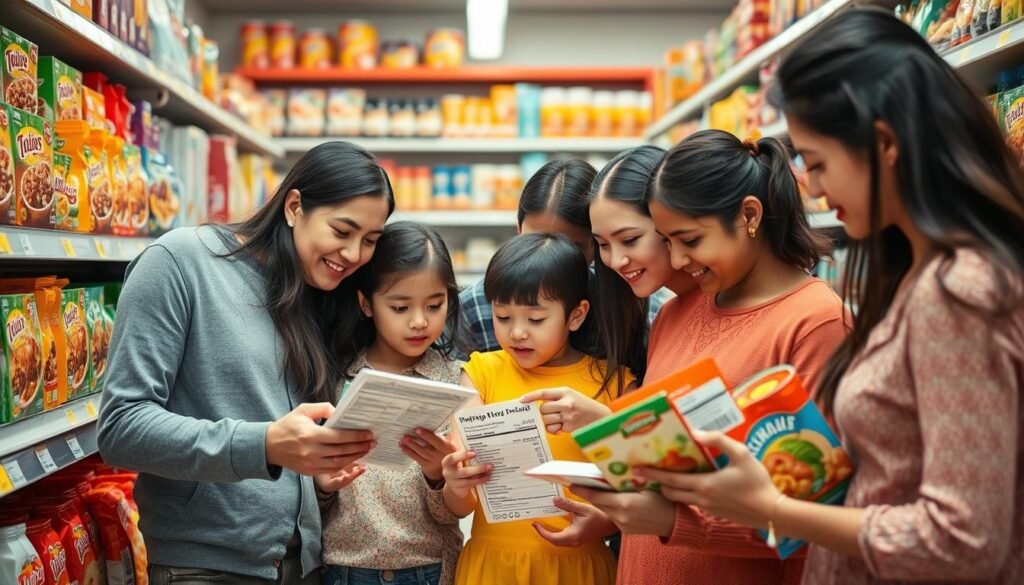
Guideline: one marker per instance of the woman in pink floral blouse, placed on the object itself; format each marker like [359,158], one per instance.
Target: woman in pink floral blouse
[926,391]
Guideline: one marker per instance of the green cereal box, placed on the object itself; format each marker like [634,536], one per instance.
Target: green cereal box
[31,141]
[21,389]
[19,71]
[73,315]
[100,325]
[1011,118]
[7,206]
[60,90]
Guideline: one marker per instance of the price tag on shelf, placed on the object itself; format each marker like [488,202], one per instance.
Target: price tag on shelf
[69,248]
[5,482]
[101,247]
[46,460]
[5,245]
[14,473]
[70,413]
[1004,38]
[76,448]
[91,409]
[26,245]
[964,56]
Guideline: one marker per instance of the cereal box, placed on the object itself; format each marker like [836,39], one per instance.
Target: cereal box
[31,139]
[648,433]
[21,389]
[100,326]
[784,429]
[7,207]
[60,90]
[165,193]
[19,70]
[136,191]
[1011,116]
[73,315]
[97,175]
[69,181]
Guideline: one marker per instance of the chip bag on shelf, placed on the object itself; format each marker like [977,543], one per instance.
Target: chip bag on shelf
[119,531]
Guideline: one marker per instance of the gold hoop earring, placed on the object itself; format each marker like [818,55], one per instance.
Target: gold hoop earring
[752,231]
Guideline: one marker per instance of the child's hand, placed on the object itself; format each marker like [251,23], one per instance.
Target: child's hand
[565,410]
[460,478]
[586,524]
[427,449]
[329,483]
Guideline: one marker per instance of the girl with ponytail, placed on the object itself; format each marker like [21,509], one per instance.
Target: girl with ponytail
[731,215]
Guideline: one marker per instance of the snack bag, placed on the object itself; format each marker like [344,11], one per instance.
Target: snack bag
[20,564]
[31,139]
[119,531]
[21,389]
[70,182]
[82,566]
[7,207]
[46,542]
[100,327]
[60,90]
[19,71]
[94,109]
[97,174]
[77,333]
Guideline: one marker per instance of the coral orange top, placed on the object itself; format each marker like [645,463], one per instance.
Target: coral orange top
[800,328]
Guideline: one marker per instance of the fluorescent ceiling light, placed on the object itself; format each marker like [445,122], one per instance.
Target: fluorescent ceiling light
[486,23]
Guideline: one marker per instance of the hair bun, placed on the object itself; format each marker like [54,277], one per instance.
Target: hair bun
[751,145]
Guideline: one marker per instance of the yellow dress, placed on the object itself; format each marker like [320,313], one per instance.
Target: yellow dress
[513,552]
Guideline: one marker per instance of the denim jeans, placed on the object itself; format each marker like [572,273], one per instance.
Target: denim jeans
[427,575]
[290,573]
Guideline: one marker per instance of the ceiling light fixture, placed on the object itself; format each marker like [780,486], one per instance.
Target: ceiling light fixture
[485,20]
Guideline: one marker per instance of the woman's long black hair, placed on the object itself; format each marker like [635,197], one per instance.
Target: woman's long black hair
[958,181]
[314,325]
[621,315]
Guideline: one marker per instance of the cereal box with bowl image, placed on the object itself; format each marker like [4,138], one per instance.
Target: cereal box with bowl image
[100,325]
[136,192]
[1011,117]
[31,141]
[19,71]
[97,176]
[73,315]
[165,193]
[60,90]
[7,207]
[21,389]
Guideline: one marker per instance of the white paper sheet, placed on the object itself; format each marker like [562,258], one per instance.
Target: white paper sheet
[393,406]
[511,437]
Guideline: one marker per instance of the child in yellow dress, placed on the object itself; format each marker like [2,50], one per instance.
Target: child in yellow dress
[537,287]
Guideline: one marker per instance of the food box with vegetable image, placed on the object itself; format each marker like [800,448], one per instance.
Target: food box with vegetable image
[784,429]
[647,433]
[21,388]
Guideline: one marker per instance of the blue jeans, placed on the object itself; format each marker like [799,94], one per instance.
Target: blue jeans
[427,575]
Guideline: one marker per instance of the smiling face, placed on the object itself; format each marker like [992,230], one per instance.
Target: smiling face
[409,314]
[537,335]
[628,243]
[547,222]
[716,257]
[333,241]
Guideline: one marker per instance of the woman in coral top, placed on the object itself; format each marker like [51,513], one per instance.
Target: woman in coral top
[734,221]
[927,388]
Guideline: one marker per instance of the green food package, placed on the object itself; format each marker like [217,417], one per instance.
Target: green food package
[100,327]
[21,387]
[60,90]
[73,311]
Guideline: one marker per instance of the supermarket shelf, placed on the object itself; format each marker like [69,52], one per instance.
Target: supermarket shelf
[33,245]
[639,76]
[33,448]
[982,58]
[489,218]
[469,145]
[61,32]
[824,220]
[746,70]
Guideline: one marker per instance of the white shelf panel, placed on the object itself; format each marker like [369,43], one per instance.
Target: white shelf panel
[469,145]
[33,245]
[824,220]
[488,218]
[22,434]
[746,69]
[73,38]
[36,461]
[982,58]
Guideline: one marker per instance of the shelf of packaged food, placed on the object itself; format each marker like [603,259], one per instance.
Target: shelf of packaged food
[469,145]
[469,218]
[745,71]
[35,447]
[61,32]
[824,219]
[33,245]
[996,50]
[637,76]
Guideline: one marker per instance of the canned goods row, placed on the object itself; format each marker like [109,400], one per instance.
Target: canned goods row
[463,187]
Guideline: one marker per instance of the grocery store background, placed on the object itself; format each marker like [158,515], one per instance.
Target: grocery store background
[158,114]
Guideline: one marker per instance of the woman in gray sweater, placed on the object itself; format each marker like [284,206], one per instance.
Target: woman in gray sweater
[225,356]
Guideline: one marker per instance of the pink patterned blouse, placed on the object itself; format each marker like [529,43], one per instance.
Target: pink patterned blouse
[931,411]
